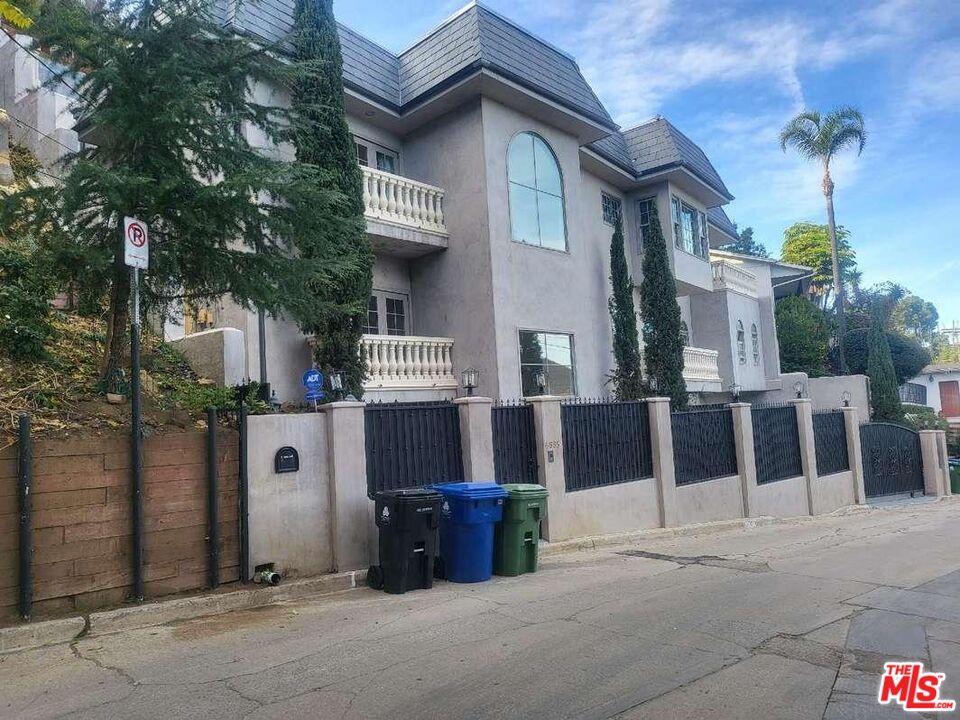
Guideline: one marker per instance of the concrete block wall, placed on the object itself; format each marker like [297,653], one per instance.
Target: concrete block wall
[82,523]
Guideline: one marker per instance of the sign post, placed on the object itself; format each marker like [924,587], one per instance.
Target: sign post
[136,249]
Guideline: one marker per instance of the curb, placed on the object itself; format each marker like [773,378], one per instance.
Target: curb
[564,547]
[106,622]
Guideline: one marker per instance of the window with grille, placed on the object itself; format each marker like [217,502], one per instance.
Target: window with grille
[612,208]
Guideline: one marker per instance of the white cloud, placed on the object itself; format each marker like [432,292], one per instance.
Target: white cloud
[933,82]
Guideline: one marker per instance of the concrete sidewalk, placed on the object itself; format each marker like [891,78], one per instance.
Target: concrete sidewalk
[781,621]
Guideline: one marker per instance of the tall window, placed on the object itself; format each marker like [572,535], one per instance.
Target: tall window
[741,343]
[755,336]
[362,156]
[373,317]
[612,208]
[536,193]
[396,317]
[643,221]
[546,357]
[689,228]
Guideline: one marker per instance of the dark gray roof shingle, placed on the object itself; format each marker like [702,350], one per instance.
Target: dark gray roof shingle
[657,145]
[718,217]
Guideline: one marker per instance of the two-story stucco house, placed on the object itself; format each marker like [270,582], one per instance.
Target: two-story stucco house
[492,177]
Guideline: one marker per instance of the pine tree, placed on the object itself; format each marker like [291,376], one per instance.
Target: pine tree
[323,139]
[627,377]
[167,93]
[663,344]
[884,393]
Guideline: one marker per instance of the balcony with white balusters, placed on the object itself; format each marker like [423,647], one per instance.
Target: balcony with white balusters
[408,362]
[405,218]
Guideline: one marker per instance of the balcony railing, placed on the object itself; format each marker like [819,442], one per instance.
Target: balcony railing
[913,393]
[727,276]
[701,365]
[408,362]
[395,199]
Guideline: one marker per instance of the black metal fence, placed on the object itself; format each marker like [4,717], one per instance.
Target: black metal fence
[892,461]
[703,444]
[830,437]
[605,442]
[412,444]
[514,442]
[776,443]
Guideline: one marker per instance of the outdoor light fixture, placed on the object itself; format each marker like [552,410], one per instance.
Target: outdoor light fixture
[798,388]
[336,383]
[735,391]
[845,397]
[275,403]
[469,379]
[541,378]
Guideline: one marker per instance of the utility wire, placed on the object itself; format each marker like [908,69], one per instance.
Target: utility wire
[56,73]
[21,123]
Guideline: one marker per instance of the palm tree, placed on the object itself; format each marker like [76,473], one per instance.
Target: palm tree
[821,137]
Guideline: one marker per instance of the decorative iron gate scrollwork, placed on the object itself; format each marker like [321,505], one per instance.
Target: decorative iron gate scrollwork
[891,459]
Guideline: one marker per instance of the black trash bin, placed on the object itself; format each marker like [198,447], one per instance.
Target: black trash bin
[408,522]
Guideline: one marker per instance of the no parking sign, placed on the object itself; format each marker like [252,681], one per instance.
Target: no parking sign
[136,243]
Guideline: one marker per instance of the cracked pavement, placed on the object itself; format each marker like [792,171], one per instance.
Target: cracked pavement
[787,621]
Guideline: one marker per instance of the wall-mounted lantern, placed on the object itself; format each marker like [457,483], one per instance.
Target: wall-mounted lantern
[735,390]
[845,398]
[541,379]
[336,383]
[798,388]
[469,379]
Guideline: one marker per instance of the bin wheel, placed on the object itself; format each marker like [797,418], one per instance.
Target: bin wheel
[375,577]
[439,571]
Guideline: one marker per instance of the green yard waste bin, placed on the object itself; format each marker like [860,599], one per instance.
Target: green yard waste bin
[517,537]
[955,477]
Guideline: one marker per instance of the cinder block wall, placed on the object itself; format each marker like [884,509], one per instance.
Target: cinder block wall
[82,527]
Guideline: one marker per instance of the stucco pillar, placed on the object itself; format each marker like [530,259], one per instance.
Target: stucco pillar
[746,462]
[347,469]
[808,453]
[476,438]
[851,423]
[933,479]
[664,470]
[550,470]
[944,462]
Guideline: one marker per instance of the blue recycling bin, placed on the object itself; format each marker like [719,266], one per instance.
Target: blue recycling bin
[468,514]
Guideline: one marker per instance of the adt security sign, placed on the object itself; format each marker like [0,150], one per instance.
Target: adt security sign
[136,243]
[313,380]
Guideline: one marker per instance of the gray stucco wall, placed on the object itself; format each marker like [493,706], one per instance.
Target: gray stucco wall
[715,317]
[453,290]
[540,289]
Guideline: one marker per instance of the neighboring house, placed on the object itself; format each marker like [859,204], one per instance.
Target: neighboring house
[492,178]
[937,387]
[39,110]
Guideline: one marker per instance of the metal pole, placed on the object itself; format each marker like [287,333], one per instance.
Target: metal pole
[24,470]
[262,338]
[136,450]
[213,509]
[244,499]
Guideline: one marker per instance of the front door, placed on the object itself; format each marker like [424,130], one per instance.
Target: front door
[950,398]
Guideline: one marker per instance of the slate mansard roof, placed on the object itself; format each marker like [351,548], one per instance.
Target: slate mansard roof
[477,38]
[718,217]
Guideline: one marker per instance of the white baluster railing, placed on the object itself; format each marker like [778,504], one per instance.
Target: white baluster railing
[728,276]
[403,201]
[408,361]
[700,365]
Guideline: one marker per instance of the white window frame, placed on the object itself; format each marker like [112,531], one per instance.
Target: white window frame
[641,226]
[372,149]
[700,243]
[615,203]
[381,296]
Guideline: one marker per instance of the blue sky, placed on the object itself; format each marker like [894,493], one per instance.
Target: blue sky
[731,73]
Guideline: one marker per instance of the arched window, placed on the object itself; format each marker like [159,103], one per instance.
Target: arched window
[755,336]
[741,343]
[536,193]
[684,333]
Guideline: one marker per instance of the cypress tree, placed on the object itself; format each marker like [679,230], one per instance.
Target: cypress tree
[663,344]
[627,377]
[884,393]
[323,139]
[168,89]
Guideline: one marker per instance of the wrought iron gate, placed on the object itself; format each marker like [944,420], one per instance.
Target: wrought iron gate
[891,459]
[514,443]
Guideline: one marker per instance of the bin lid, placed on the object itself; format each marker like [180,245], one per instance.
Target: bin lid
[525,490]
[471,490]
[418,494]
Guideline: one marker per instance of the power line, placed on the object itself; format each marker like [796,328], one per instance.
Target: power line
[40,132]
[29,51]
